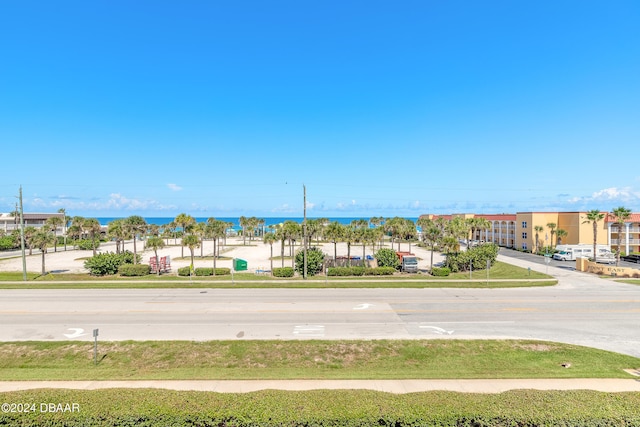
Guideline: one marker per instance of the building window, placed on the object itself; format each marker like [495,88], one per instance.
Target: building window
[524,235]
[524,245]
[524,224]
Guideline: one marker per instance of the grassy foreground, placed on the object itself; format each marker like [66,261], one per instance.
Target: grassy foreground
[346,408]
[501,275]
[345,359]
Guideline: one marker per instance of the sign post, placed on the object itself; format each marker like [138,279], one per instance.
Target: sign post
[95,347]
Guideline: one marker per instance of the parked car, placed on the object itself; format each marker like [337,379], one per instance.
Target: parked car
[631,258]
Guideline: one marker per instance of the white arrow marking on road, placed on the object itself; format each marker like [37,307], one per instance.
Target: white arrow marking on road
[438,330]
[362,306]
[78,333]
[309,330]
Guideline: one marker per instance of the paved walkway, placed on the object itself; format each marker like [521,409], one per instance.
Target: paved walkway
[389,386]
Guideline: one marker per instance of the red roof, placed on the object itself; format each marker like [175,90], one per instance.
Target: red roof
[635,217]
[498,217]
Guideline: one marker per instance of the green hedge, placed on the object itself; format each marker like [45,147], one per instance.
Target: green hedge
[108,263]
[440,271]
[204,271]
[348,408]
[360,271]
[208,271]
[130,270]
[87,244]
[283,272]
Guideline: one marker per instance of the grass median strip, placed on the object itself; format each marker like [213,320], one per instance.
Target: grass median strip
[376,359]
[501,275]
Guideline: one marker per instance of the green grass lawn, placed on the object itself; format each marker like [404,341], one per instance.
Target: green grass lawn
[342,359]
[501,275]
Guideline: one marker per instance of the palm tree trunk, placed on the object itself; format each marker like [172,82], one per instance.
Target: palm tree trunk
[271,259]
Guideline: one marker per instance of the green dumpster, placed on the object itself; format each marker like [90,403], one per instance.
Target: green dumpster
[239,264]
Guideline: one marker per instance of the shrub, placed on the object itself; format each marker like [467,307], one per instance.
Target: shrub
[283,272]
[7,242]
[379,271]
[387,258]
[360,271]
[208,271]
[184,271]
[477,257]
[315,261]
[87,244]
[108,262]
[203,271]
[440,271]
[134,270]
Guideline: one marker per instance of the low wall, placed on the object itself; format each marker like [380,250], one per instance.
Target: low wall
[583,264]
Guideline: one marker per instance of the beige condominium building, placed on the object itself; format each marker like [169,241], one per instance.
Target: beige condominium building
[535,231]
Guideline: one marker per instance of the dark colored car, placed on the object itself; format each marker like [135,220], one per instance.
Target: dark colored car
[631,258]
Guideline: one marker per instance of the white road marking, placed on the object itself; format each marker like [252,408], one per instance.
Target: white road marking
[309,330]
[437,330]
[362,306]
[78,333]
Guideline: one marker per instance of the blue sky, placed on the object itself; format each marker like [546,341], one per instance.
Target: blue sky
[218,108]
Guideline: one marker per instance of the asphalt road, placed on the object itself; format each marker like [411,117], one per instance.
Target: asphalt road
[582,309]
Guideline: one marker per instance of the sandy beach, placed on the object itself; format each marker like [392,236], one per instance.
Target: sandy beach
[255,252]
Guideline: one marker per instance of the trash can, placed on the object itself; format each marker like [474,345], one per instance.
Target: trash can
[239,264]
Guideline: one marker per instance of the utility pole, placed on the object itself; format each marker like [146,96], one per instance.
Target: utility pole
[24,258]
[304,233]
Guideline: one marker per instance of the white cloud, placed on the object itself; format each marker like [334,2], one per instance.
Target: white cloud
[623,194]
[605,198]
[174,187]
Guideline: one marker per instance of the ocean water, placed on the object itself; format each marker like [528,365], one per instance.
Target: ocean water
[236,220]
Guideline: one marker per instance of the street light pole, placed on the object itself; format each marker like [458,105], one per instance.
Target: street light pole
[24,258]
[304,233]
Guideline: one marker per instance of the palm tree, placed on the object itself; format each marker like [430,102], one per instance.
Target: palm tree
[29,232]
[170,231]
[216,229]
[92,226]
[184,221]
[135,224]
[155,243]
[270,239]
[192,242]
[538,229]
[457,229]
[199,229]
[593,216]
[42,239]
[292,231]
[377,221]
[53,222]
[349,236]
[620,216]
[65,225]
[552,226]
[431,234]
[281,235]
[333,233]
[243,224]
[560,234]
[116,231]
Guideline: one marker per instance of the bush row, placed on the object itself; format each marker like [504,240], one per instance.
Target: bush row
[204,271]
[360,271]
[476,257]
[349,408]
[440,271]
[283,272]
[131,270]
[108,262]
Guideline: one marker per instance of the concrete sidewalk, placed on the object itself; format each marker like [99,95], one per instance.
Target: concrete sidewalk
[389,386]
